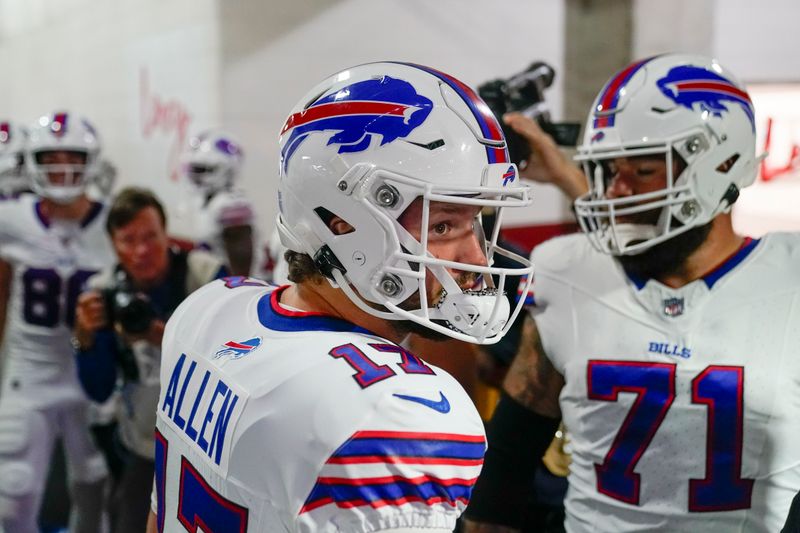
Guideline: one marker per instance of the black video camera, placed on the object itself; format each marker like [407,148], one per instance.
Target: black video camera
[130,308]
[524,92]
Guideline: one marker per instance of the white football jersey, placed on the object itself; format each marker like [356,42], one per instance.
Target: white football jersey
[225,209]
[682,404]
[283,421]
[51,261]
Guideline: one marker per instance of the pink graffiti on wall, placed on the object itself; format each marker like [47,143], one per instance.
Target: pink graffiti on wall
[769,172]
[166,117]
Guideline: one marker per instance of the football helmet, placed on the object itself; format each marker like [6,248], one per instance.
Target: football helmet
[366,143]
[674,105]
[12,157]
[61,132]
[212,160]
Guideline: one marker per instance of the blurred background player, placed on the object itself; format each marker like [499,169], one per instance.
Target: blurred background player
[649,338]
[224,217]
[50,243]
[308,415]
[12,160]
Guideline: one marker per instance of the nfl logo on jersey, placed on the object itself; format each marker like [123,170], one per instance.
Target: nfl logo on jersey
[673,306]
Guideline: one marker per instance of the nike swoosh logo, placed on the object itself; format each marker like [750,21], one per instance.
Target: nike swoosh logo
[443,406]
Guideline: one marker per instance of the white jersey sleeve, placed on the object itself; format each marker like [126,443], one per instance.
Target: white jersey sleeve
[289,421]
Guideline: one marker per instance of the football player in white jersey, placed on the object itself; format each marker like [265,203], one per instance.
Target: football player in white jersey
[50,243]
[296,408]
[665,340]
[225,223]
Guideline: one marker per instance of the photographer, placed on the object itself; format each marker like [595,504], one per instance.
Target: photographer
[118,329]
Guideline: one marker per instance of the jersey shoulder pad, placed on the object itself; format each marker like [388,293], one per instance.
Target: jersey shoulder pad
[212,303]
[561,253]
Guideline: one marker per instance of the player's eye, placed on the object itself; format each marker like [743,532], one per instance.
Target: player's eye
[440,228]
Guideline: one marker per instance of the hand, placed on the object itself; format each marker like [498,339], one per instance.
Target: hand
[153,335]
[90,316]
[547,163]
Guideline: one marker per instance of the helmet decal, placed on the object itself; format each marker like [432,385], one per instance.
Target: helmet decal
[490,128]
[5,132]
[509,175]
[688,85]
[59,124]
[226,146]
[355,119]
[609,96]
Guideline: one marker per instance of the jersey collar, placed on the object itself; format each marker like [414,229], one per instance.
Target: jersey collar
[94,210]
[718,272]
[273,316]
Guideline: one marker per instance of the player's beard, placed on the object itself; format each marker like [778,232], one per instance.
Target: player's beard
[666,258]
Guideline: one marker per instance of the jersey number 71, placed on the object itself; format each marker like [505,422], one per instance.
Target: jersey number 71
[719,388]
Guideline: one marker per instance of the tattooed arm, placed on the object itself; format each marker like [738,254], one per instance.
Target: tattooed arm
[519,433]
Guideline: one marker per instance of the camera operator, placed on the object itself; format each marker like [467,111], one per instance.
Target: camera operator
[118,329]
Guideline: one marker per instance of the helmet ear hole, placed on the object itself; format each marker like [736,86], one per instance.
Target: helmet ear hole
[726,165]
[336,224]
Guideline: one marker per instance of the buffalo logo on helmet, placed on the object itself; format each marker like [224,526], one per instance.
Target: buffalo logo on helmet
[509,176]
[387,107]
[227,147]
[689,86]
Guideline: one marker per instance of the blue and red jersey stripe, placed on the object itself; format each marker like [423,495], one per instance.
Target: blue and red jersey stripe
[389,490]
[429,448]
[369,447]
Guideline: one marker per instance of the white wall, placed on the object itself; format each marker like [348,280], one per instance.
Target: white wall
[672,26]
[92,58]
[756,40]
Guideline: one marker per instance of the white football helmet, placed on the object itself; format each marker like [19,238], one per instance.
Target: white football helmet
[672,104]
[12,157]
[363,145]
[61,132]
[213,160]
